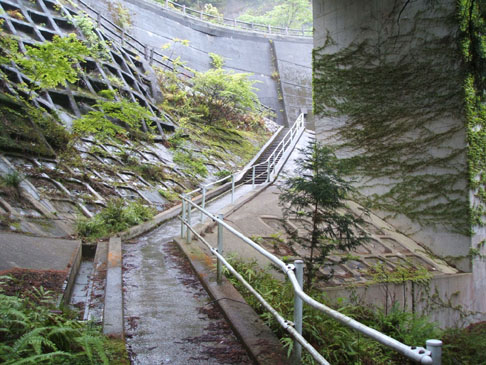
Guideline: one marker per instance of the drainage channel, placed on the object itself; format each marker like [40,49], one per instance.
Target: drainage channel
[89,285]
[169,317]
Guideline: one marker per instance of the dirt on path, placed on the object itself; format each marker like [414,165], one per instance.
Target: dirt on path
[169,317]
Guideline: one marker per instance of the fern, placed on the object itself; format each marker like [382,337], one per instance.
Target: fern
[30,333]
[90,343]
[35,339]
[48,358]
[63,336]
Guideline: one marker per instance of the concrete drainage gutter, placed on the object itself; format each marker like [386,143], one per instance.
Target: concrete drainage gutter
[113,311]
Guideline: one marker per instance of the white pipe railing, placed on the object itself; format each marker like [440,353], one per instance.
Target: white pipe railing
[273,163]
[431,355]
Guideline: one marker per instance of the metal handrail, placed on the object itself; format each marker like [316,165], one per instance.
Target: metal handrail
[431,355]
[235,23]
[294,133]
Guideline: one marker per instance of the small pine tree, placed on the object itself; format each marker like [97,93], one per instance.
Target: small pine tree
[315,199]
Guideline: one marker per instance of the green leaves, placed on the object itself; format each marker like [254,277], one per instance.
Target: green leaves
[30,333]
[112,119]
[116,217]
[52,63]
[224,91]
[289,13]
[315,199]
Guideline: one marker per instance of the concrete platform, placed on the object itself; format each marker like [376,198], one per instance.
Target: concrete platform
[37,253]
[41,253]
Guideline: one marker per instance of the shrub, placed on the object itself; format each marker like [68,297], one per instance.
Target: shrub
[52,63]
[12,179]
[116,217]
[112,119]
[226,92]
[222,174]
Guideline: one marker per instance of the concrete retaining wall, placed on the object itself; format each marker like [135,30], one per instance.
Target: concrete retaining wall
[243,51]
[389,95]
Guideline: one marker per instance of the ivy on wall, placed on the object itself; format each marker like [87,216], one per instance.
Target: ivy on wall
[399,92]
[472,17]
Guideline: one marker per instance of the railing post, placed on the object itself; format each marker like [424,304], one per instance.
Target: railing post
[151,56]
[219,265]
[203,202]
[183,9]
[201,15]
[189,232]
[268,170]
[232,188]
[183,226]
[435,348]
[253,177]
[166,3]
[299,274]
[98,19]
[269,29]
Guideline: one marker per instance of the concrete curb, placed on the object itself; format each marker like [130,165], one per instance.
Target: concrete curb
[71,277]
[262,345]
[113,310]
[168,214]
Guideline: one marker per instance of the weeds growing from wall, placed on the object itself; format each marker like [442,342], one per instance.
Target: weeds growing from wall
[116,217]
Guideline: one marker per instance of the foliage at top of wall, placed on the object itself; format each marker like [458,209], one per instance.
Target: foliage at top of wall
[289,13]
[403,111]
[472,17]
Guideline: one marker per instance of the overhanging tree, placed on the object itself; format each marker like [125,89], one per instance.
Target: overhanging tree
[315,199]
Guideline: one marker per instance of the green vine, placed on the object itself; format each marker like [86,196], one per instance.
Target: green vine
[403,139]
[472,17]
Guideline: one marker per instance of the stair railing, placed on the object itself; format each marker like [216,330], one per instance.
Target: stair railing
[273,164]
[432,354]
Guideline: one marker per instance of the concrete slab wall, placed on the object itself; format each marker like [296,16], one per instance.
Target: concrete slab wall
[406,143]
[446,300]
[243,51]
[295,75]
[389,95]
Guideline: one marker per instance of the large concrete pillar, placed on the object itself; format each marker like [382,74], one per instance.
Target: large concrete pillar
[398,90]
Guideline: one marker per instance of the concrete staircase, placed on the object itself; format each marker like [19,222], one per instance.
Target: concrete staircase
[261,169]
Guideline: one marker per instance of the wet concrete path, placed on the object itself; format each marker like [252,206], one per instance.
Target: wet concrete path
[169,317]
